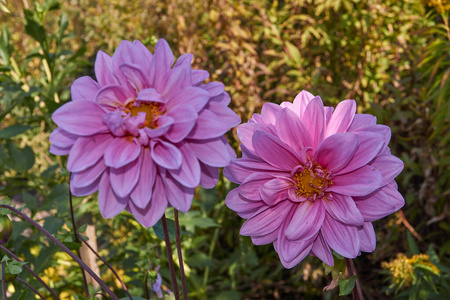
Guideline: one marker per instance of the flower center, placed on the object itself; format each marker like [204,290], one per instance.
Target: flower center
[151,109]
[312,181]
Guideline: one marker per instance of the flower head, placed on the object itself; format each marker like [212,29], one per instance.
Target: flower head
[146,133]
[312,180]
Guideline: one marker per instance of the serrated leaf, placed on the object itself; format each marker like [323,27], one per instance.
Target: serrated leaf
[13,130]
[15,267]
[346,285]
[158,229]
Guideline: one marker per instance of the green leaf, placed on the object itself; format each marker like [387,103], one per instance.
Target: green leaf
[5,48]
[293,52]
[63,23]
[228,295]
[412,244]
[21,159]
[53,224]
[5,201]
[158,229]
[346,285]
[29,200]
[72,245]
[23,295]
[51,5]
[34,29]
[15,267]
[13,130]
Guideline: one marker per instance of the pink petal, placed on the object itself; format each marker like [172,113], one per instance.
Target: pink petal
[87,151]
[198,76]
[292,131]
[88,176]
[239,204]
[185,59]
[336,151]
[357,183]
[292,253]
[395,196]
[179,197]
[246,131]
[174,80]
[306,221]
[141,56]
[274,151]
[85,190]
[184,117]
[367,237]
[124,179]
[194,96]
[59,150]
[343,208]
[208,126]
[343,239]
[164,123]
[214,88]
[269,113]
[80,118]
[240,169]
[165,154]
[389,166]
[84,88]
[361,120]
[211,152]
[301,101]
[323,251]
[162,61]
[103,71]
[267,220]
[109,204]
[209,176]
[342,117]
[150,95]
[188,174]
[275,190]
[63,139]
[265,239]
[142,193]
[112,96]
[313,118]
[251,186]
[370,145]
[121,151]
[155,208]
[375,206]
[225,114]
[134,76]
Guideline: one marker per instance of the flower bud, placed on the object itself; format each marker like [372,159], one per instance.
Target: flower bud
[6,229]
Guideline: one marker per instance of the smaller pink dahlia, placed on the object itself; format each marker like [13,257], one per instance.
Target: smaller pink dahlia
[146,133]
[313,180]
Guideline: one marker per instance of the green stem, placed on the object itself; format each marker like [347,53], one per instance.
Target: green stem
[170,258]
[180,255]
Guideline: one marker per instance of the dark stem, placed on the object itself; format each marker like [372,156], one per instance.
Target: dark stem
[146,285]
[30,287]
[107,264]
[180,256]
[86,289]
[38,278]
[170,258]
[3,281]
[352,271]
[64,248]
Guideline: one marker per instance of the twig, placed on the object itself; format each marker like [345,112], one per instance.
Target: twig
[64,248]
[408,225]
[180,255]
[3,281]
[86,289]
[352,271]
[30,287]
[170,258]
[107,264]
[38,278]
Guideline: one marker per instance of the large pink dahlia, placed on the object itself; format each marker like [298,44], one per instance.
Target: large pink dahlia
[146,133]
[312,180]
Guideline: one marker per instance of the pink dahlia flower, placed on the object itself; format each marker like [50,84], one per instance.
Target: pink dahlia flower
[312,180]
[145,134]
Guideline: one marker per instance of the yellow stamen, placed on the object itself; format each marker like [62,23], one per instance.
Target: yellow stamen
[311,182]
[152,110]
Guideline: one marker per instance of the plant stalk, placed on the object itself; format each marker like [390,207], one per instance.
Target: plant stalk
[170,258]
[180,256]
[30,287]
[65,249]
[3,281]
[358,294]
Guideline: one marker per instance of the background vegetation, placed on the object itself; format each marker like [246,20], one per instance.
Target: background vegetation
[392,57]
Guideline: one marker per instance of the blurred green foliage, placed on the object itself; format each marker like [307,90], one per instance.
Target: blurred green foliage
[392,57]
